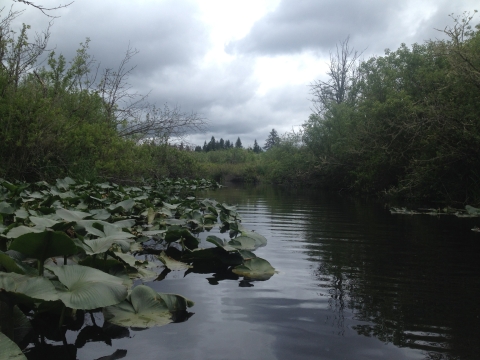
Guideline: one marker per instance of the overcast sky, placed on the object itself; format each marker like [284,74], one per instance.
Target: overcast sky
[244,65]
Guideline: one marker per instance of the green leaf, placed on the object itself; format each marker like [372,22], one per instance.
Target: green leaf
[22,230]
[13,322]
[41,221]
[172,264]
[9,350]
[220,243]
[256,268]
[5,208]
[260,240]
[243,243]
[87,288]
[32,287]
[145,308]
[16,266]
[472,210]
[44,245]
[71,215]
[101,214]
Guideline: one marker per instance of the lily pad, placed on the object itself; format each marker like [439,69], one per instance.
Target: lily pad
[44,245]
[71,215]
[143,308]
[257,268]
[87,288]
[32,287]
[9,350]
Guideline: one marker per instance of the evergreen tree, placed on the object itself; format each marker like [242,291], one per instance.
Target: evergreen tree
[272,140]
[228,145]
[238,143]
[256,148]
[205,146]
[211,144]
[221,144]
[198,148]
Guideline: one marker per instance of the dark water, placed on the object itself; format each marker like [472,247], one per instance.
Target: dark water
[353,282]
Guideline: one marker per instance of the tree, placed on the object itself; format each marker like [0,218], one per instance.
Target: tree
[18,56]
[211,144]
[272,140]
[256,148]
[238,143]
[228,145]
[343,75]
[134,117]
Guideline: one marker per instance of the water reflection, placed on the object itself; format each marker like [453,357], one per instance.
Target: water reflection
[354,282]
[410,281]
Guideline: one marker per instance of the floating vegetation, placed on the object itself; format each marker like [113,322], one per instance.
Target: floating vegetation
[468,212]
[79,246]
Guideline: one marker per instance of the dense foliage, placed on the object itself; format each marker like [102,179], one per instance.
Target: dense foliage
[65,118]
[410,125]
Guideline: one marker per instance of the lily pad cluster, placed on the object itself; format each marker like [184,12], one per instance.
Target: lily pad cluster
[468,212]
[80,246]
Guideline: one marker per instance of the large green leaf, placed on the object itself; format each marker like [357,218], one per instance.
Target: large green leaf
[220,243]
[243,243]
[71,215]
[42,221]
[13,265]
[32,287]
[9,350]
[13,322]
[22,230]
[87,288]
[256,268]
[145,308]
[44,245]
[260,240]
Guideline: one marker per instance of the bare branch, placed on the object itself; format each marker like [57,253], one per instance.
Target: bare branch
[42,8]
[343,75]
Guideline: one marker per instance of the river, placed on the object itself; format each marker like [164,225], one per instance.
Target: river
[353,282]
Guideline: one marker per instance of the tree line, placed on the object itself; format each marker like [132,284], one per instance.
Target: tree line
[272,140]
[406,123]
[72,118]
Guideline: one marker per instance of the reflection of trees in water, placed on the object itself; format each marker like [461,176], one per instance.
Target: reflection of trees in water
[335,288]
[401,276]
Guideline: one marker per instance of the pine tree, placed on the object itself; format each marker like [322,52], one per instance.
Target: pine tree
[272,140]
[256,148]
[238,143]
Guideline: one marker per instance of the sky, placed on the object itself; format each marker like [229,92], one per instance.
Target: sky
[245,66]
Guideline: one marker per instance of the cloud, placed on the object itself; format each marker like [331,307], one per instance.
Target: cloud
[297,26]
[166,33]
[262,81]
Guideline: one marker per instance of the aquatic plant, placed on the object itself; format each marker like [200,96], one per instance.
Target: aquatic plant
[75,246]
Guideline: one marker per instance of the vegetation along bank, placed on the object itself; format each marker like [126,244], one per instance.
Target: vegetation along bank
[403,124]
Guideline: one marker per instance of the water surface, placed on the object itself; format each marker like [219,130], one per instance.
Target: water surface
[353,282]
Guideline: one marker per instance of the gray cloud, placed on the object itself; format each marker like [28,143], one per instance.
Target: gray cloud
[312,25]
[167,33]
[172,41]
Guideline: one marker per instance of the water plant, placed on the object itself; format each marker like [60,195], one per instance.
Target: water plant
[81,246]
